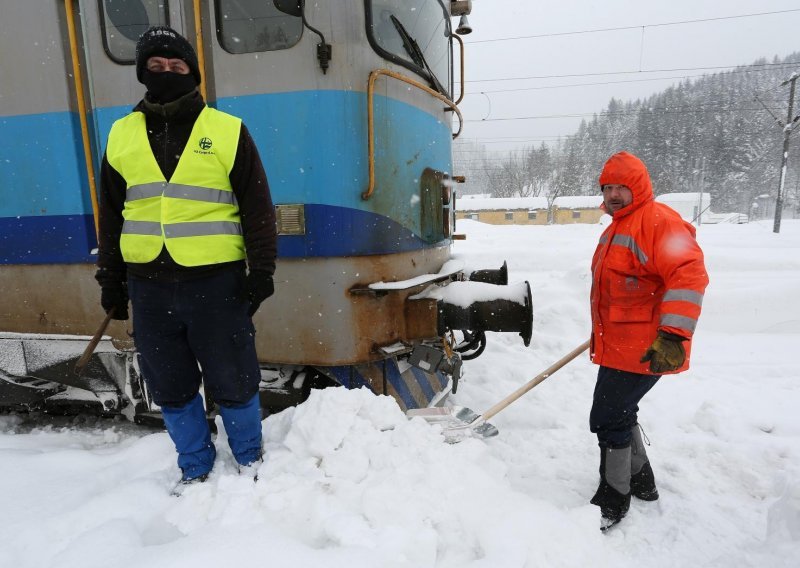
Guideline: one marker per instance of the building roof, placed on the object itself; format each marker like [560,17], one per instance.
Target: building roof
[578,201]
[500,203]
[682,197]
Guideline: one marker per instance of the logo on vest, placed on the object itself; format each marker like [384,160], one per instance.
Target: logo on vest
[205,146]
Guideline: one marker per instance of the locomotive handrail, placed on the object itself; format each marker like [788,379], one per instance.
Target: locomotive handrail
[371,117]
[78,79]
[461,58]
[201,59]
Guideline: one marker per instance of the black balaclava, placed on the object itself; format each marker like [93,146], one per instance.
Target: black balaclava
[167,86]
[163,41]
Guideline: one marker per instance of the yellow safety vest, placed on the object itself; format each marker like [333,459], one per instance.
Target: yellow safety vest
[195,214]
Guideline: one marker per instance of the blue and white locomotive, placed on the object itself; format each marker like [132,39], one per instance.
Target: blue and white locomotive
[352,106]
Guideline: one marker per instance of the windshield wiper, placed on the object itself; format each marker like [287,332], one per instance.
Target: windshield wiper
[413,50]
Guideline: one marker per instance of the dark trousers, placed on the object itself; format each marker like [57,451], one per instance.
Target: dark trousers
[616,405]
[196,330]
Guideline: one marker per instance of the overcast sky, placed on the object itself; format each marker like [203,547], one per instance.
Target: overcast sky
[621,58]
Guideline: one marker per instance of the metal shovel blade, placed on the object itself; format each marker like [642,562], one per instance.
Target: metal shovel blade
[457,422]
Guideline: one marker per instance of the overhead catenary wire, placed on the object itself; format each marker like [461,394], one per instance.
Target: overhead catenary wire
[740,69]
[769,110]
[599,83]
[732,68]
[635,27]
[620,113]
[493,163]
[540,139]
[678,73]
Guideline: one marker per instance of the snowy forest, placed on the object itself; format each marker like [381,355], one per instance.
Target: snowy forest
[719,133]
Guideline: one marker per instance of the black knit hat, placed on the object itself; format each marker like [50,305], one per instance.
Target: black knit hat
[163,41]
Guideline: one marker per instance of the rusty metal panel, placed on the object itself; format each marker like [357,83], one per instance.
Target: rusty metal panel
[314,319]
[53,299]
[421,319]
[311,319]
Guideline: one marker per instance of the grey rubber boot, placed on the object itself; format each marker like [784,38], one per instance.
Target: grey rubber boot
[643,482]
[613,495]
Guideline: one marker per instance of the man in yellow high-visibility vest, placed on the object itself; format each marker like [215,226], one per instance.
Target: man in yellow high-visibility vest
[185,210]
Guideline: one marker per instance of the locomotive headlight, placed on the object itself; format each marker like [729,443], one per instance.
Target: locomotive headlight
[291,219]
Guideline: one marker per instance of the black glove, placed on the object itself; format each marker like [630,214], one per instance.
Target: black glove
[665,354]
[259,287]
[115,296]
[113,291]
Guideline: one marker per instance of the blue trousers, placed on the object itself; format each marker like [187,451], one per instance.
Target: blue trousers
[199,330]
[616,405]
[192,332]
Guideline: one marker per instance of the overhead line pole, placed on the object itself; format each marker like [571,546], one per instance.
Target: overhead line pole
[787,132]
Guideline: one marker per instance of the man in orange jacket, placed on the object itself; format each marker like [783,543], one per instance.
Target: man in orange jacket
[648,280]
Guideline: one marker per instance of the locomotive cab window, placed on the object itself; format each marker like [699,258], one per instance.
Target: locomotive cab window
[415,34]
[250,26]
[124,21]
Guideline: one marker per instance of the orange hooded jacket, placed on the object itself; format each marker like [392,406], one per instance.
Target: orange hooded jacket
[647,274]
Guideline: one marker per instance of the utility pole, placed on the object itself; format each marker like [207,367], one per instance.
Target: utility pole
[787,131]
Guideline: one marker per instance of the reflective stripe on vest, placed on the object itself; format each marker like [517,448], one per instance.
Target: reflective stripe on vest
[180,191]
[195,214]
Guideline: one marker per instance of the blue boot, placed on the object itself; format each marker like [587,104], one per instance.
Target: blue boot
[189,431]
[243,426]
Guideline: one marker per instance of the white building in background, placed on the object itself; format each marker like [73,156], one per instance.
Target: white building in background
[692,205]
[689,205]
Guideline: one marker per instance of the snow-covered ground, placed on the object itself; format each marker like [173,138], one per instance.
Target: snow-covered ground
[349,481]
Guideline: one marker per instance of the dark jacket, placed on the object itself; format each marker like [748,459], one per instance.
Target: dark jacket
[168,129]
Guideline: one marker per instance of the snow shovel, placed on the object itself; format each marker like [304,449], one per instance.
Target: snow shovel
[80,366]
[459,421]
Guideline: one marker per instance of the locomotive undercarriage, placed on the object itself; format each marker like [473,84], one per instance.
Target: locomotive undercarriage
[37,374]
[419,368]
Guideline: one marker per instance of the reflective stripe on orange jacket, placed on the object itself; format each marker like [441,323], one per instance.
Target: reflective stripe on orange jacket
[647,274]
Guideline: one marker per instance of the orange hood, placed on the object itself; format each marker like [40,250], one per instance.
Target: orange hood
[626,169]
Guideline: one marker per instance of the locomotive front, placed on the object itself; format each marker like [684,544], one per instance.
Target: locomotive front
[362,181]
[351,104]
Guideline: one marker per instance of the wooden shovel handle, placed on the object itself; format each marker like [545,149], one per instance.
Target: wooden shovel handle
[87,353]
[535,381]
